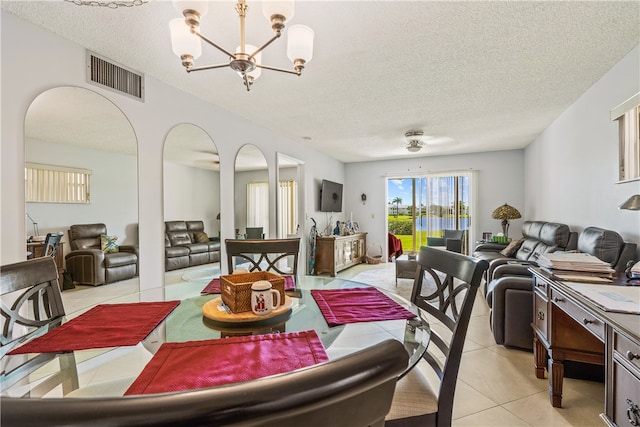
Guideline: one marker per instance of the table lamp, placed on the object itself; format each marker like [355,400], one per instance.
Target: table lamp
[505,213]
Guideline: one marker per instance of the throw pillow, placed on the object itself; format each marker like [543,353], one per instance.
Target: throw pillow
[201,237]
[109,244]
[511,248]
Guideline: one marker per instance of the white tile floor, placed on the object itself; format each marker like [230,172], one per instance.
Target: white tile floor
[496,386]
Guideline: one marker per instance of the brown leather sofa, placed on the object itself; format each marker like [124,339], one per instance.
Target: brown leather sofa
[186,244]
[89,265]
[510,293]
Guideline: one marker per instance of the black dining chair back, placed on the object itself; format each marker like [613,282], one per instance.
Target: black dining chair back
[445,289]
[51,243]
[31,304]
[263,254]
[352,391]
[255,233]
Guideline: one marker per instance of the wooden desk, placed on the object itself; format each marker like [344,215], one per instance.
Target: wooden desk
[37,248]
[569,326]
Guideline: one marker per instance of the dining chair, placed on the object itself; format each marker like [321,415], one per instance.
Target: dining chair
[263,254]
[255,233]
[352,391]
[445,289]
[31,304]
[51,243]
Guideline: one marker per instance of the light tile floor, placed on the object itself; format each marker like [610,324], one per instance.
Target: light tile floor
[496,386]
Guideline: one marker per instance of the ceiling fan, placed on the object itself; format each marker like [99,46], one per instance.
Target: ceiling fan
[416,140]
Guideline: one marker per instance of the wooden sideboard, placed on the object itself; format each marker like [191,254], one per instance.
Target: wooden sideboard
[37,248]
[335,253]
[569,326]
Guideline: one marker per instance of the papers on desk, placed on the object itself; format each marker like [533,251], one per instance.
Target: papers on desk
[619,299]
[577,267]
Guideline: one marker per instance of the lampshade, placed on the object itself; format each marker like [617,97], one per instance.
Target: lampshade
[183,42]
[201,6]
[278,7]
[632,203]
[506,212]
[300,43]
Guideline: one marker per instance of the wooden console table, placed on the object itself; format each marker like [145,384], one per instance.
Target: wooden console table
[336,253]
[569,326]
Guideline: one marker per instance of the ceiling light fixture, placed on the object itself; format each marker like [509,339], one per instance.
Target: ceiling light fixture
[246,61]
[415,140]
[108,3]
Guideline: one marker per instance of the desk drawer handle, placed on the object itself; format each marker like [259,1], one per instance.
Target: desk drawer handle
[633,413]
[632,356]
[541,315]
[586,321]
[556,299]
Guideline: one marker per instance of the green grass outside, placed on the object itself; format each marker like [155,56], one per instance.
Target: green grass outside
[407,239]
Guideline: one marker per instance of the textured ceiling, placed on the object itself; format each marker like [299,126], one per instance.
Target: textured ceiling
[488,75]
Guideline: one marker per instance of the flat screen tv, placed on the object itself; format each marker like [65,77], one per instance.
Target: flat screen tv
[330,196]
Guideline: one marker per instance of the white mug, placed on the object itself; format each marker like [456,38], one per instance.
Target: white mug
[262,301]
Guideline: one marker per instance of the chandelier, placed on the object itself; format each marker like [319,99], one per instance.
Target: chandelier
[246,60]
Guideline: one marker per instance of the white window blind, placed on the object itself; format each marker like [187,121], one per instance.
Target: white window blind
[258,206]
[288,201]
[56,184]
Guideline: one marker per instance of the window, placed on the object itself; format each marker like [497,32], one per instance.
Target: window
[424,206]
[56,184]
[628,116]
[288,209]
[258,206]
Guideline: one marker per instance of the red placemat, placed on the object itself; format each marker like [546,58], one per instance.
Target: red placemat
[214,285]
[341,306]
[105,325]
[197,364]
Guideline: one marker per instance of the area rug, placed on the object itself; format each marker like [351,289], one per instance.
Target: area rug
[384,276]
[105,325]
[197,364]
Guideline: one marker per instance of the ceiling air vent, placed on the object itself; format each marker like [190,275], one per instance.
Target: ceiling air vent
[107,74]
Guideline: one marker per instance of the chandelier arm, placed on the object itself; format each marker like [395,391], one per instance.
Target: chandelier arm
[261,48]
[207,67]
[221,49]
[282,70]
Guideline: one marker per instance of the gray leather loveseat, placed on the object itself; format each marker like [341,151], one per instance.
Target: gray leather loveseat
[510,293]
[186,244]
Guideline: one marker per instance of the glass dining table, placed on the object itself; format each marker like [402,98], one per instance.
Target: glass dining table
[110,371]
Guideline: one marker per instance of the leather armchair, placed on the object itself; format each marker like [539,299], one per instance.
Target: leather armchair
[510,293]
[451,239]
[89,265]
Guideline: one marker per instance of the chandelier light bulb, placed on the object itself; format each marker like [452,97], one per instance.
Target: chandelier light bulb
[183,42]
[283,8]
[300,43]
[200,6]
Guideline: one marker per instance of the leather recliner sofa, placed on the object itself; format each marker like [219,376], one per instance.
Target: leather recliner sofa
[510,293]
[186,244]
[89,265]
[538,237]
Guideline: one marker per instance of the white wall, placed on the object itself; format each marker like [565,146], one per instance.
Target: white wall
[25,47]
[572,167]
[192,194]
[500,180]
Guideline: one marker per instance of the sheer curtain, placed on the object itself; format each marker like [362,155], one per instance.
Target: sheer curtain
[287,208]
[258,206]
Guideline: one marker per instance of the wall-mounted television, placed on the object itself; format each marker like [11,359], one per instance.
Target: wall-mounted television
[330,196]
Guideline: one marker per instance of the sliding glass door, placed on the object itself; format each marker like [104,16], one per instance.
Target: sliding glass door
[423,206]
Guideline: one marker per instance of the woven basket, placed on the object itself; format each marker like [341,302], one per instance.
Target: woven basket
[235,289]
[374,258]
